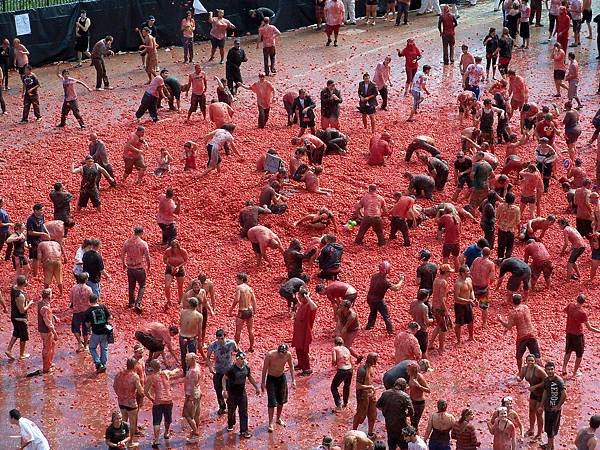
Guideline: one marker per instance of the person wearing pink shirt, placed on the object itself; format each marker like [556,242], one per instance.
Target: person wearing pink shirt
[134,256]
[267,33]
[265,94]
[406,345]
[168,209]
[188,26]
[571,236]
[382,80]
[21,56]
[197,82]
[218,33]
[220,113]
[334,17]
[149,102]
[133,154]
[373,207]
[70,99]
[79,301]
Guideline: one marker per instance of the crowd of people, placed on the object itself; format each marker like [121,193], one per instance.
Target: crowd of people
[494,113]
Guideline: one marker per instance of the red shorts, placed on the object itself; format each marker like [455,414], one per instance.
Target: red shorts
[332,29]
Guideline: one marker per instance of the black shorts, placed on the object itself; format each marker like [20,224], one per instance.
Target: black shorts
[575,254]
[551,422]
[514,282]
[559,74]
[277,391]
[530,344]
[256,248]
[545,268]
[33,246]
[78,325]
[20,259]
[20,330]
[572,136]
[526,199]
[575,343]
[162,411]
[365,108]
[529,123]
[217,43]
[586,16]
[127,408]
[149,342]
[465,179]
[576,26]
[180,273]
[450,249]
[584,227]
[86,196]
[198,100]
[463,314]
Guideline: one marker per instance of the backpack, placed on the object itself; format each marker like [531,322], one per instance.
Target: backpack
[99,316]
[331,256]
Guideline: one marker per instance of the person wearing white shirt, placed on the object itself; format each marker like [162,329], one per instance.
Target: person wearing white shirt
[32,437]
[414,441]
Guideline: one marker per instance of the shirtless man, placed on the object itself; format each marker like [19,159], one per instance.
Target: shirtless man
[246,303]
[155,337]
[191,405]
[133,154]
[347,326]
[174,258]
[418,387]
[438,303]
[205,306]
[464,299]
[51,256]
[275,383]
[190,330]
[532,188]
[520,318]
[419,312]
[357,440]
[483,273]
[262,238]
[534,225]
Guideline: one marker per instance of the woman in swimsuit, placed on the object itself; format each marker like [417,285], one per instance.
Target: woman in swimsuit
[439,426]
[503,431]
[513,415]
[535,375]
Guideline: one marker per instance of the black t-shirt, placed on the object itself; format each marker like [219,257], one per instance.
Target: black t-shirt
[35,224]
[293,285]
[62,203]
[98,316]
[174,85]
[438,165]
[378,287]
[236,379]
[499,101]
[426,272]
[515,266]
[116,435]
[93,264]
[464,165]
[488,214]
[30,81]
[422,183]
[554,388]
[492,45]
[506,47]
[5,56]
[151,28]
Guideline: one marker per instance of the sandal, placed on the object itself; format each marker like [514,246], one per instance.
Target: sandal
[282,423]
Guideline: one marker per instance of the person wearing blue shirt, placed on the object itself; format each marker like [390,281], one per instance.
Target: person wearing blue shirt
[474,251]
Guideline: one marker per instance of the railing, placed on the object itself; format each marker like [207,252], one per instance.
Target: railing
[18,5]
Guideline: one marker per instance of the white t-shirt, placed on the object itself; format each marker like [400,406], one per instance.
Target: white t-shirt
[220,138]
[31,432]
[419,444]
[419,80]
[475,74]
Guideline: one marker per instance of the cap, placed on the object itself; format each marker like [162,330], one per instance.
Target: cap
[424,254]
[327,440]
[220,333]
[89,158]
[237,41]
[151,18]
[283,348]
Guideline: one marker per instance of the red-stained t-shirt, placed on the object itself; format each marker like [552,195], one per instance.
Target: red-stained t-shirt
[537,252]
[402,207]
[337,289]
[410,52]
[451,225]
[378,150]
[576,317]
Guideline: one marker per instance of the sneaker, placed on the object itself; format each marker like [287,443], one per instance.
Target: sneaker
[246,435]
[222,411]
[99,89]
[102,368]
[328,43]
[24,121]
[229,428]
[38,119]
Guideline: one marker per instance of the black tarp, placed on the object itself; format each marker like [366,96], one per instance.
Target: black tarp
[53,28]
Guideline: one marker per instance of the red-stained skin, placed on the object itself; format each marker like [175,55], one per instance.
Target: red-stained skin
[73,406]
